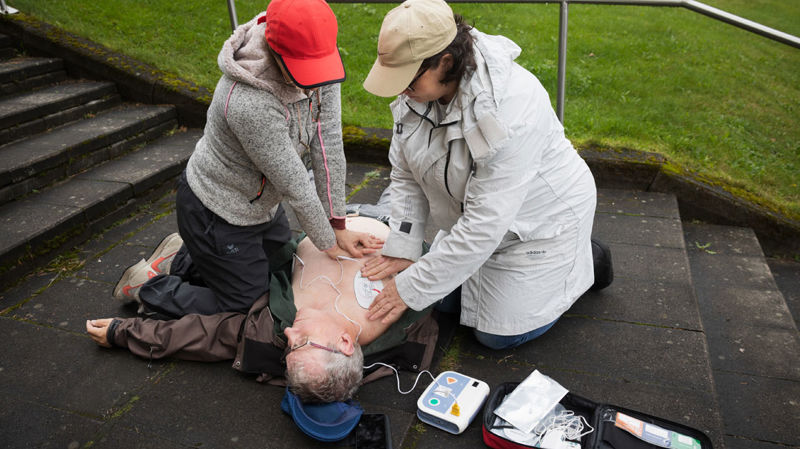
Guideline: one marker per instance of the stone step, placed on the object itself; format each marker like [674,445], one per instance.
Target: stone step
[37,161]
[42,224]
[7,53]
[7,50]
[23,73]
[35,111]
[787,275]
[18,69]
[34,82]
[753,341]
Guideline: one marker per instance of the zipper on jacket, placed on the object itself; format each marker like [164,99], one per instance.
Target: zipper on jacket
[446,182]
[260,189]
[472,169]
[449,144]
[446,167]
[150,362]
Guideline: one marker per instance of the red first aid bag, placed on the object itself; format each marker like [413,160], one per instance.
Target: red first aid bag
[614,427]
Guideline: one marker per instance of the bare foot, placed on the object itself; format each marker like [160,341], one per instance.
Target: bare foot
[98,329]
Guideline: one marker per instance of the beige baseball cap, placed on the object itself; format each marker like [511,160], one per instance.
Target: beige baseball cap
[411,32]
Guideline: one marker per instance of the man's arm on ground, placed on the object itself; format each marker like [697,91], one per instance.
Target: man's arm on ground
[204,338]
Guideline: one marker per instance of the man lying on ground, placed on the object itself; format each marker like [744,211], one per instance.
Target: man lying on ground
[310,322]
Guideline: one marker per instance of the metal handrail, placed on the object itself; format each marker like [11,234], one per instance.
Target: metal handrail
[232,14]
[5,9]
[692,5]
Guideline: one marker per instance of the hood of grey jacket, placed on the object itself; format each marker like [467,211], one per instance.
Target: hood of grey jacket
[245,58]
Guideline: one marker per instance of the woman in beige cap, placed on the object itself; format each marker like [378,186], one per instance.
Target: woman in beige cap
[479,153]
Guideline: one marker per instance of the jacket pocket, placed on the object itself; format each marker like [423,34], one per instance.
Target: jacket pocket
[260,189]
[537,230]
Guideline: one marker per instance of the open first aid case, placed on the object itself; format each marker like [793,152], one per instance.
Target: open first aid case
[614,427]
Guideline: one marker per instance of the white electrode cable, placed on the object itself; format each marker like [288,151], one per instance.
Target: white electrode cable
[571,425]
[397,376]
[333,286]
[322,276]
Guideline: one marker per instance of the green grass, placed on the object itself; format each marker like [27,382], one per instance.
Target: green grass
[713,98]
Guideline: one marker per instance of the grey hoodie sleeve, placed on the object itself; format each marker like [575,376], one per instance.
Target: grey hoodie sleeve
[327,152]
[260,123]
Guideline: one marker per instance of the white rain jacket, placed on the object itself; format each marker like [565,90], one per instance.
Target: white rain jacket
[513,200]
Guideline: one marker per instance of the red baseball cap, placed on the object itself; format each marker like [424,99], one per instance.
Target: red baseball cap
[303,35]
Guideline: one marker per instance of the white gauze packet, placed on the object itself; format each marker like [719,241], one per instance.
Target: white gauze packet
[530,401]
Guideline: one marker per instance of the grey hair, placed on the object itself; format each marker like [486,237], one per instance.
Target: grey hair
[340,382]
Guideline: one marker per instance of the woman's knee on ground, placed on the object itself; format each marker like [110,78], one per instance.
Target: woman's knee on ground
[493,341]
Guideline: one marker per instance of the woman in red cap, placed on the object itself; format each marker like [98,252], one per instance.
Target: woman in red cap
[276,110]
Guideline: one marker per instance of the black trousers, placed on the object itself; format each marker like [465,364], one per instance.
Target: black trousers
[220,267]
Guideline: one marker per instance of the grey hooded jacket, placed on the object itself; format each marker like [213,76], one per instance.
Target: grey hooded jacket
[258,132]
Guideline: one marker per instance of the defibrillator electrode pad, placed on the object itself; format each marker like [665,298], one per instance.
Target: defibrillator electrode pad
[366,290]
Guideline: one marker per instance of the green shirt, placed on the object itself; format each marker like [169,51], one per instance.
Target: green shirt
[281,302]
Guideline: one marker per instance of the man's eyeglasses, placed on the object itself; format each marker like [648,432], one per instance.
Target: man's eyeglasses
[416,77]
[307,341]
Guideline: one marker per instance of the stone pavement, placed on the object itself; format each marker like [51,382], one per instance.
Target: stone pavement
[655,341]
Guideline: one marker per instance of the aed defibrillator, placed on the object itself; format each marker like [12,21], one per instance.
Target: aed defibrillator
[451,401]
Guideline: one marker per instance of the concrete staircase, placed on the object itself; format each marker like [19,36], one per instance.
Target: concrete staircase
[74,158]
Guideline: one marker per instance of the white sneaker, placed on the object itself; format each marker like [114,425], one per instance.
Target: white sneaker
[161,259]
[131,281]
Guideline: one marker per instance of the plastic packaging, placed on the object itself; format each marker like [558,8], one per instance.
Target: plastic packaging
[531,401]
